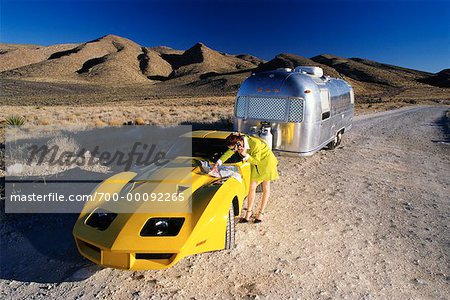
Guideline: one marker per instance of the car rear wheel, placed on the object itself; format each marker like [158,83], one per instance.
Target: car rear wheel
[230,232]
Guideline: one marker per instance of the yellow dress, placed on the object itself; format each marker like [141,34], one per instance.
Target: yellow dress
[263,161]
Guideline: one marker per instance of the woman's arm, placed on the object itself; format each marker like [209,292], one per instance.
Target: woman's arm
[225,156]
[254,158]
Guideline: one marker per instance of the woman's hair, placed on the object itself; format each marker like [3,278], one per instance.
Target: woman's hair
[234,138]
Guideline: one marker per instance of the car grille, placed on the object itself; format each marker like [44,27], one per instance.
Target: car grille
[154,255]
[89,250]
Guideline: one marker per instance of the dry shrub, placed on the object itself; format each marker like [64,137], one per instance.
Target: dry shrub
[64,143]
[100,123]
[139,121]
[44,121]
[115,122]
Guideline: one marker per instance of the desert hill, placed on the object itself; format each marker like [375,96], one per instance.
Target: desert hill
[286,60]
[162,71]
[200,59]
[440,79]
[115,60]
[16,56]
[371,72]
[110,59]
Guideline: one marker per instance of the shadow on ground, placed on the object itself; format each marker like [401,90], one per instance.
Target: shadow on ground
[40,248]
[444,125]
[224,124]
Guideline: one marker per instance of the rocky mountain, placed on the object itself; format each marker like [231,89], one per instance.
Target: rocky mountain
[116,61]
[440,79]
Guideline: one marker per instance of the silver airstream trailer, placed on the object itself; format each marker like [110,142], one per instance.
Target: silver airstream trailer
[297,111]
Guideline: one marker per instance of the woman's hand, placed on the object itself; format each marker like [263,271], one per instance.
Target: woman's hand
[242,151]
[214,169]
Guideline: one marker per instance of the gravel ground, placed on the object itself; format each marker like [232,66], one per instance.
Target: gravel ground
[369,220]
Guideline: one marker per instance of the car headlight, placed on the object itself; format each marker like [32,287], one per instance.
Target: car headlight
[162,227]
[100,219]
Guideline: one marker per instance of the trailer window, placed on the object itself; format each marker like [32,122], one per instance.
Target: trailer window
[241,107]
[325,101]
[296,110]
[267,108]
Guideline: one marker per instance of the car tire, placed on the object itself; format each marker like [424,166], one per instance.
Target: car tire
[230,231]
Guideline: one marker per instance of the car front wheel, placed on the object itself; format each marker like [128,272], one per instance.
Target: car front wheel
[230,232]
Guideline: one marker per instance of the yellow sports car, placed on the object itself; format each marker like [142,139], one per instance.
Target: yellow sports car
[153,239]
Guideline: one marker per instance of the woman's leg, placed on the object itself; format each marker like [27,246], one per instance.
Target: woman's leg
[265,198]
[251,199]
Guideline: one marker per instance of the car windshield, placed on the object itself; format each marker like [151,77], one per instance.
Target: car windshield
[209,149]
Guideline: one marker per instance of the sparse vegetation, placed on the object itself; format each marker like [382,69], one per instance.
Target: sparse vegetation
[2,164]
[100,123]
[15,120]
[139,121]
[115,122]
[44,121]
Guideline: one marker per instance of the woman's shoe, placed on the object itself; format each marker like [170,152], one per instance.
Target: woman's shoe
[258,219]
[246,218]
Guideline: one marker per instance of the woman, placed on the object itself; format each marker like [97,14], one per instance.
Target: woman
[263,168]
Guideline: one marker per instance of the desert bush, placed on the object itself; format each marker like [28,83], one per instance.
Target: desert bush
[410,101]
[2,161]
[15,120]
[100,123]
[369,100]
[44,121]
[115,122]
[139,121]
[64,143]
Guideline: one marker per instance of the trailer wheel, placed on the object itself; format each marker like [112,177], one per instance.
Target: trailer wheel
[339,138]
[230,231]
[333,144]
[336,142]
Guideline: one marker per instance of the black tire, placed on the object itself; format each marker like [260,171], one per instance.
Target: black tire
[333,144]
[339,138]
[230,231]
[336,142]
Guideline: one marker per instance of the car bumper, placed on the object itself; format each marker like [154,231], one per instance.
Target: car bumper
[126,260]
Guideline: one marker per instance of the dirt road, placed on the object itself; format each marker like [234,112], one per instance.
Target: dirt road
[369,220]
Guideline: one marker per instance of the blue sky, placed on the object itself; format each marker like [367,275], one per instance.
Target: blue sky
[414,34]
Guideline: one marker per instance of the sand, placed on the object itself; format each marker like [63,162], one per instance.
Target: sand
[369,220]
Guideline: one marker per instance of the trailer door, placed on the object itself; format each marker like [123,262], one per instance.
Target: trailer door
[325,103]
